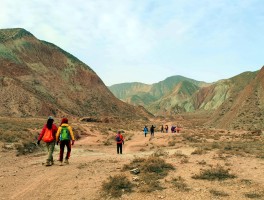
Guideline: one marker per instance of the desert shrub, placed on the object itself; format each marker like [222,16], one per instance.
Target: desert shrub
[180,154]
[150,185]
[26,148]
[116,185]
[218,193]
[246,181]
[151,170]
[159,153]
[157,166]
[108,142]
[184,160]
[171,143]
[198,151]
[191,138]
[136,163]
[254,195]
[202,162]
[179,184]
[217,173]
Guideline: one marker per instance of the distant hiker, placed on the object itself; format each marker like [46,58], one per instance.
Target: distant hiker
[166,128]
[119,142]
[161,129]
[152,130]
[145,130]
[65,137]
[48,135]
[178,129]
[173,129]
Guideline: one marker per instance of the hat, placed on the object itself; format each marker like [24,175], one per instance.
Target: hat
[50,117]
[64,121]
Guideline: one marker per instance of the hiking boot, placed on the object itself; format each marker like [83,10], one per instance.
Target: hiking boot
[66,161]
[61,163]
[48,163]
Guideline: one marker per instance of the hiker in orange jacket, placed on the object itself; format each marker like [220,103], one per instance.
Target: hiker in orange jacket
[65,137]
[119,142]
[48,135]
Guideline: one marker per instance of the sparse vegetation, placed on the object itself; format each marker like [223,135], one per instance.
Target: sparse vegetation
[152,169]
[117,185]
[254,195]
[180,184]
[218,193]
[216,173]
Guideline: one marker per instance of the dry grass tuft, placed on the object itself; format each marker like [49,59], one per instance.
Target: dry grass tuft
[217,173]
[117,185]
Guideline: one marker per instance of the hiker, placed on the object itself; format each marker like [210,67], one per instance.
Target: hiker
[145,130]
[178,129]
[119,142]
[161,129]
[166,128]
[65,137]
[152,130]
[48,135]
[173,129]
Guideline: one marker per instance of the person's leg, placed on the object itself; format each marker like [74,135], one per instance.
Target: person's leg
[52,146]
[68,145]
[117,148]
[121,148]
[62,145]
[48,145]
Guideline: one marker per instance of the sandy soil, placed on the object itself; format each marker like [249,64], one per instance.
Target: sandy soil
[92,162]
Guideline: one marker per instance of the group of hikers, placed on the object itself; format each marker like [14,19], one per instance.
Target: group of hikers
[64,136]
[52,135]
[174,129]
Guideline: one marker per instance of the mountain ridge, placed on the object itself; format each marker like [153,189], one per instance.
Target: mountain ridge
[38,78]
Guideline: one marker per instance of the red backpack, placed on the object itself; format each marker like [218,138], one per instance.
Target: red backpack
[48,136]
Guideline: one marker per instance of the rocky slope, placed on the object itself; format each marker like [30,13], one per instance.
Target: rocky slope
[38,78]
[244,108]
[237,102]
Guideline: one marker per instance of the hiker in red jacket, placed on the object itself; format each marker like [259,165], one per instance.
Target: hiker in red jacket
[48,135]
[119,142]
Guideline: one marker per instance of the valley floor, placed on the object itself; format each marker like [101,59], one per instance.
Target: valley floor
[94,160]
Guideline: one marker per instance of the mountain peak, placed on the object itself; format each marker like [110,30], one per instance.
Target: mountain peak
[13,33]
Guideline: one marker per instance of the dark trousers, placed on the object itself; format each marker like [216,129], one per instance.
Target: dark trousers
[64,143]
[119,148]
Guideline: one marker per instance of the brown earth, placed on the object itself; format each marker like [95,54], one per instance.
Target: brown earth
[94,159]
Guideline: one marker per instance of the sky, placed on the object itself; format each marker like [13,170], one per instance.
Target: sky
[148,40]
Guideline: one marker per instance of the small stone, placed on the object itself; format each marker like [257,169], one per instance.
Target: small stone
[135,171]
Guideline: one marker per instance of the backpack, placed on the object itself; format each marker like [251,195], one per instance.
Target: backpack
[118,138]
[48,136]
[64,133]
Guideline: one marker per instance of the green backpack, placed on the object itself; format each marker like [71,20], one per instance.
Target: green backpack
[64,134]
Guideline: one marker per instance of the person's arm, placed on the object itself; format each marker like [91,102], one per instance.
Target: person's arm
[71,134]
[58,134]
[42,133]
[123,140]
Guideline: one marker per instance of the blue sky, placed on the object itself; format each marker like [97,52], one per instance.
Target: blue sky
[148,40]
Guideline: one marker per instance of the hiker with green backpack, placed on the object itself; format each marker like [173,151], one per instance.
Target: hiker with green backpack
[48,135]
[65,137]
